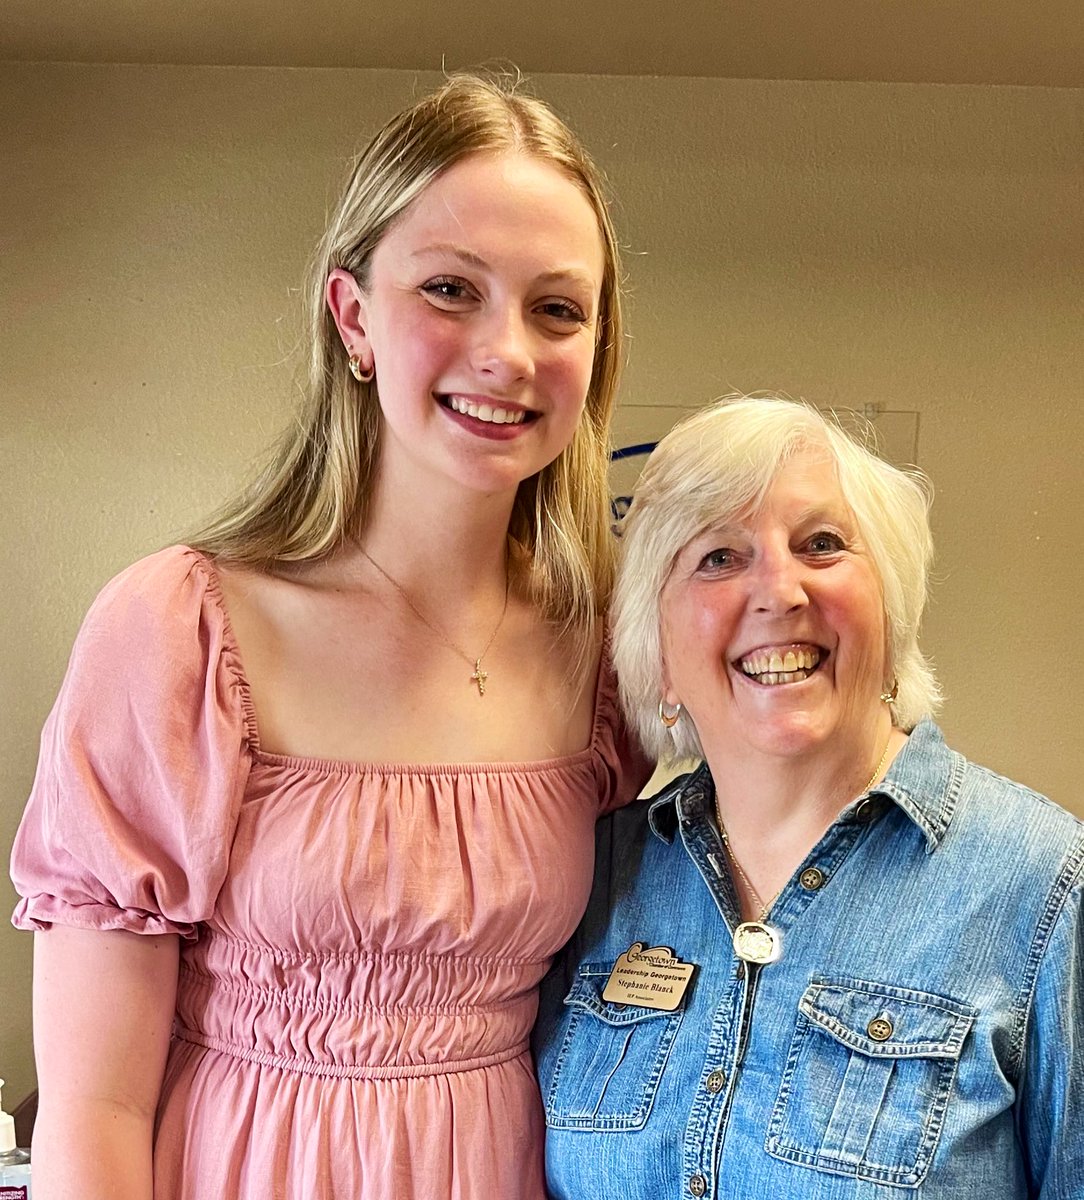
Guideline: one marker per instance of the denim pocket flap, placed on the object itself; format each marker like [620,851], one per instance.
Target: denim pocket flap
[610,1059]
[882,1021]
[586,994]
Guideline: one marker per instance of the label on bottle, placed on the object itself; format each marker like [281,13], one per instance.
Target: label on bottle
[13,1193]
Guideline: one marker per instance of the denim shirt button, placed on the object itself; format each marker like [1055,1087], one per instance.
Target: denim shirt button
[879,1029]
[812,879]
[715,1082]
[869,810]
[698,1185]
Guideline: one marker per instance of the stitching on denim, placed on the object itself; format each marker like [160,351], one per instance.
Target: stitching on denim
[1067,879]
[637,1116]
[895,1174]
[951,1046]
[932,1119]
[951,794]
[852,983]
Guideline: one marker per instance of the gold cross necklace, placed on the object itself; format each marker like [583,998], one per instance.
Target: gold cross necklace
[479,677]
[757,941]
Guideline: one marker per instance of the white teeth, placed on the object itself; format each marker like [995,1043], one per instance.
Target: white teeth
[773,667]
[487,412]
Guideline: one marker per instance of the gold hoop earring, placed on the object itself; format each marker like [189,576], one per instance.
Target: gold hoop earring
[361,376]
[889,697]
[669,719]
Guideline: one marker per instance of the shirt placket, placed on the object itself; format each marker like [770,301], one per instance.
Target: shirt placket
[705,1132]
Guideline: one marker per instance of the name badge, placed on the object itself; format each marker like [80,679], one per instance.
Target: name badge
[652,978]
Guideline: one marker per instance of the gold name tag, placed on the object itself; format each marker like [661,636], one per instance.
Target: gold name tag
[651,978]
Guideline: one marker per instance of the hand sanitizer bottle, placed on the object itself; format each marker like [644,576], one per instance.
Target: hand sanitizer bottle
[14,1163]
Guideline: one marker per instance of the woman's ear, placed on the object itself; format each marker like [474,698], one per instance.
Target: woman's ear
[347,304]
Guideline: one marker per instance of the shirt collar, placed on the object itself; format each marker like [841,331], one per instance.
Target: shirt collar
[923,781]
[685,798]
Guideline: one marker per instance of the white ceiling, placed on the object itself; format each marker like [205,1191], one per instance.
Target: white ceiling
[1025,42]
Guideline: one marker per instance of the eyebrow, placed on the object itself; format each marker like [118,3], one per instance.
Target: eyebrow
[822,512]
[810,515]
[461,252]
[572,274]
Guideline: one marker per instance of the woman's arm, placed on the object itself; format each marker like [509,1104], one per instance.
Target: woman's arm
[103,1011]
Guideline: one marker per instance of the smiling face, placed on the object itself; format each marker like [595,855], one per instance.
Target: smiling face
[480,317]
[773,629]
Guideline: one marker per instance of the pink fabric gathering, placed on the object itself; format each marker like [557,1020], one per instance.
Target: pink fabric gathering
[361,945]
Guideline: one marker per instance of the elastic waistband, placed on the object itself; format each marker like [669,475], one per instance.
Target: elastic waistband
[302,1066]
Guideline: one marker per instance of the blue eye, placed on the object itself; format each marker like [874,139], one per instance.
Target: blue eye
[825,543]
[718,559]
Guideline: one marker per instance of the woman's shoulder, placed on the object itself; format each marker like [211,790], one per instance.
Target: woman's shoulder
[162,596]
[1010,827]
[1022,823]
[161,577]
[160,624]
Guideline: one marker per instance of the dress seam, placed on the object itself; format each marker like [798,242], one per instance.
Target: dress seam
[206,568]
[408,956]
[309,1004]
[266,1058]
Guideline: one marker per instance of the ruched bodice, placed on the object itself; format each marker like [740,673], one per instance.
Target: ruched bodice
[431,932]
[361,944]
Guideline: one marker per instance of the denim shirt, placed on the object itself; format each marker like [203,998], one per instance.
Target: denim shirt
[921,1037]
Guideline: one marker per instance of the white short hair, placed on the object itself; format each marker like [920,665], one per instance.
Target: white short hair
[716,466]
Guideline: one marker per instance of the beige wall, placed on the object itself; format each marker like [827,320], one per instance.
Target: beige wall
[916,249]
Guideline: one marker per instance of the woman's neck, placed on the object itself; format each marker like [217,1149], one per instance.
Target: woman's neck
[442,542]
[776,808]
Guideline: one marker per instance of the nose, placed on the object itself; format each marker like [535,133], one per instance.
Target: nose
[502,346]
[778,582]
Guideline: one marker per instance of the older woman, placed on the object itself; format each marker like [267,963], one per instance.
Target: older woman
[837,960]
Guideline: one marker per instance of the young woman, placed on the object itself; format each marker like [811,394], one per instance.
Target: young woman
[315,805]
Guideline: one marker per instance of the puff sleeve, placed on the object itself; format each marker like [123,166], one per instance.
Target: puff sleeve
[623,768]
[143,760]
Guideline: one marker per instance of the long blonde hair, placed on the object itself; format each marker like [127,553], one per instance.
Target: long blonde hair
[314,493]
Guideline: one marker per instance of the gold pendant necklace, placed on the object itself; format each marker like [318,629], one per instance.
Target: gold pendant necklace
[479,677]
[758,941]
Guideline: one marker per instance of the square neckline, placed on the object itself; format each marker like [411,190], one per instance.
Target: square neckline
[604,697]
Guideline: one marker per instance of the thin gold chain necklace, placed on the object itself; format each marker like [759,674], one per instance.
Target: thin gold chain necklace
[757,941]
[479,677]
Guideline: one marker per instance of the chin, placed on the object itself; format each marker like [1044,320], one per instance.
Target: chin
[789,734]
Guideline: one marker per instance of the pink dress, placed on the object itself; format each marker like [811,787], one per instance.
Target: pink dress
[361,945]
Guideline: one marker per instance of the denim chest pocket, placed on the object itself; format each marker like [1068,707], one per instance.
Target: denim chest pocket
[867,1080]
[610,1060]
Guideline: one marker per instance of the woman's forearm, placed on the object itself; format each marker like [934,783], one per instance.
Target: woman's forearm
[103,1011]
[93,1150]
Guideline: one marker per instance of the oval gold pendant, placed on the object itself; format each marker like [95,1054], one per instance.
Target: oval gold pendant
[757,942]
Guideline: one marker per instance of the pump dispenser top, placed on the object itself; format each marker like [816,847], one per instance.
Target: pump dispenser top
[14,1163]
[7,1126]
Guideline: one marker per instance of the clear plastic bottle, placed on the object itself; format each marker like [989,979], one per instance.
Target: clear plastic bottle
[14,1163]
